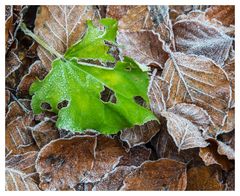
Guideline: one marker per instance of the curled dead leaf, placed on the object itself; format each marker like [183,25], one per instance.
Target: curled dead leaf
[163,174]
[184,133]
[140,134]
[210,154]
[16,181]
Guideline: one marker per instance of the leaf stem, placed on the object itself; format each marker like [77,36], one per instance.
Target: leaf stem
[39,40]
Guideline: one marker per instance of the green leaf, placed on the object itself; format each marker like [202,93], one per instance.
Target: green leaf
[93,46]
[81,85]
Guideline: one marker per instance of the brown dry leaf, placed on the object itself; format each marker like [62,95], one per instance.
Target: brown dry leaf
[165,147]
[226,150]
[113,181]
[117,12]
[16,181]
[230,121]
[17,109]
[35,71]
[201,17]
[193,113]
[18,137]
[163,174]
[61,26]
[224,14]
[135,19]
[162,23]
[23,162]
[197,80]
[176,10]
[157,94]
[140,134]
[195,37]
[64,163]
[8,23]
[44,132]
[135,157]
[184,133]
[204,179]
[12,63]
[210,155]
[144,46]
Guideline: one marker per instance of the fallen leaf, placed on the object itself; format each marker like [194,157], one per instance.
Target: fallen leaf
[165,147]
[184,133]
[12,63]
[197,80]
[8,23]
[116,11]
[204,179]
[223,13]
[36,71]
[44,132]
[144,46]
[162,23]
[200,16]
[226,150]
[64,163]
[210,155]
[137,18]
[18,137]
[230,121]
[17,109]
[60,27]
[16,181]
[135,157]
[140,134]
[193,113]
[157,93]
[163,174]
[23,162]
[195,37]
[113,180]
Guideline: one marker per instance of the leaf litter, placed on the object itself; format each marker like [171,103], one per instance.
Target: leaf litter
[189,54]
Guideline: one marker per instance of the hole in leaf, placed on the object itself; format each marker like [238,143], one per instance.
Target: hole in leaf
[128,68]
[46,106]
[107,95]
[140,101]
[62,104]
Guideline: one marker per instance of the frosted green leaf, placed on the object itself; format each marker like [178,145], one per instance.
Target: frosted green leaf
[81,85]
[93,46]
